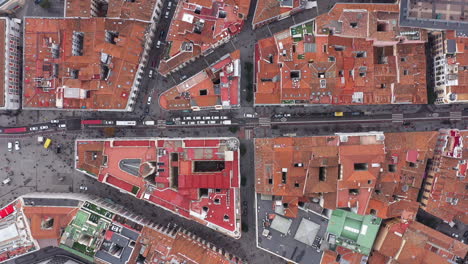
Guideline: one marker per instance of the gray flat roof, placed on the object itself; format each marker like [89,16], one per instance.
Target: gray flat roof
[286,245]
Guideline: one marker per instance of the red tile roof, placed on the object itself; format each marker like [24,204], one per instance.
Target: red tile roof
[197,28]
[175,183]
[99,76]
[343,61]
[137,9]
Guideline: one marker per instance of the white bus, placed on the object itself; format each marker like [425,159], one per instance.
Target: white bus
[125,123]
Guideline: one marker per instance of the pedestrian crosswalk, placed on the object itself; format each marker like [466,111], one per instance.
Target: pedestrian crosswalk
[397,118]
[264,121]
[456,116]
[161,124]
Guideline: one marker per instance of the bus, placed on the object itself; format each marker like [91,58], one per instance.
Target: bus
[47,143]
[125,123]
[91,122]
[15,130]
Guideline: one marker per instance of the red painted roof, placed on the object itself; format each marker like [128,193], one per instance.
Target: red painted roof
[7,211]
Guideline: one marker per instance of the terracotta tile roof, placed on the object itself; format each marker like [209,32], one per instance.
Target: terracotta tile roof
[445,194]
[138,9]
[343,61]
[416,243]
[178,247]
[61,217]
[199,26]
[215,87]
[97,75]
[269,10]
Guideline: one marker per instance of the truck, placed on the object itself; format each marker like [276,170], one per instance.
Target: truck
[47,143]
[125,123]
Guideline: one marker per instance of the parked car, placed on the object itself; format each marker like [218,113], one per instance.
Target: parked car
[211,122]
[10,146]
[197,118]
[167,14]
[17,145]
[161,34]
[62,125]
[33,128]
[206,118]
[191,123]
[158,44]
[108,122]
[150,74]
[149,100]
[44,127]
[249,115]
[59,149]
[215,117]
[83,188]
[55,121]
[201,122]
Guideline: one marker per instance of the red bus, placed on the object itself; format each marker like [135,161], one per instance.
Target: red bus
[91,122]
[15,130]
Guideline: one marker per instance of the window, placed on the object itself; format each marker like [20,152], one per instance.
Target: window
[353,24]
[403,59]
[353,191]
[373,212]
[391,167]
[296,185]
[203,92]
[283,177]
[270,181]
[405,72]
[361,54]
[383,85]
[360,166]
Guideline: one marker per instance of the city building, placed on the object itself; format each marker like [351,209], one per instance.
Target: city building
[444,194]
[412,242]
[93,59]
[98,231]
[267,11]
[399,183]
[216,87]
[15,233]
[450,53]
[10,63]
[199,26]
[11,6]
[144,10]
[352,231]
[356,54]
[194,178]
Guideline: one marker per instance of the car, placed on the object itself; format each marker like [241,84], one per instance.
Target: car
[59,149]
[191,123]
[169,5]
[278,116]
[197,118]
[224,117]
[183,123]
[183,77]
[167,14]
[176,119]
[206,118]
[249,115]
[109,122]
[83,188]
[201,122]
[147,110]
[150,74]
[33,128]
[158,44]
[10,146]
[215,117]
[212,122]
[287,115]
[169,122]
[161,34]
[17,145]
[55,121]
[44,127]
[187,118]
[149,100]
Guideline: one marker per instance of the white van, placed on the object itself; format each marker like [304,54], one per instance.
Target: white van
[149,123]
[6,181]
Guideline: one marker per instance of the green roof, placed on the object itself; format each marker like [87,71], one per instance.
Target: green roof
[353,231]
